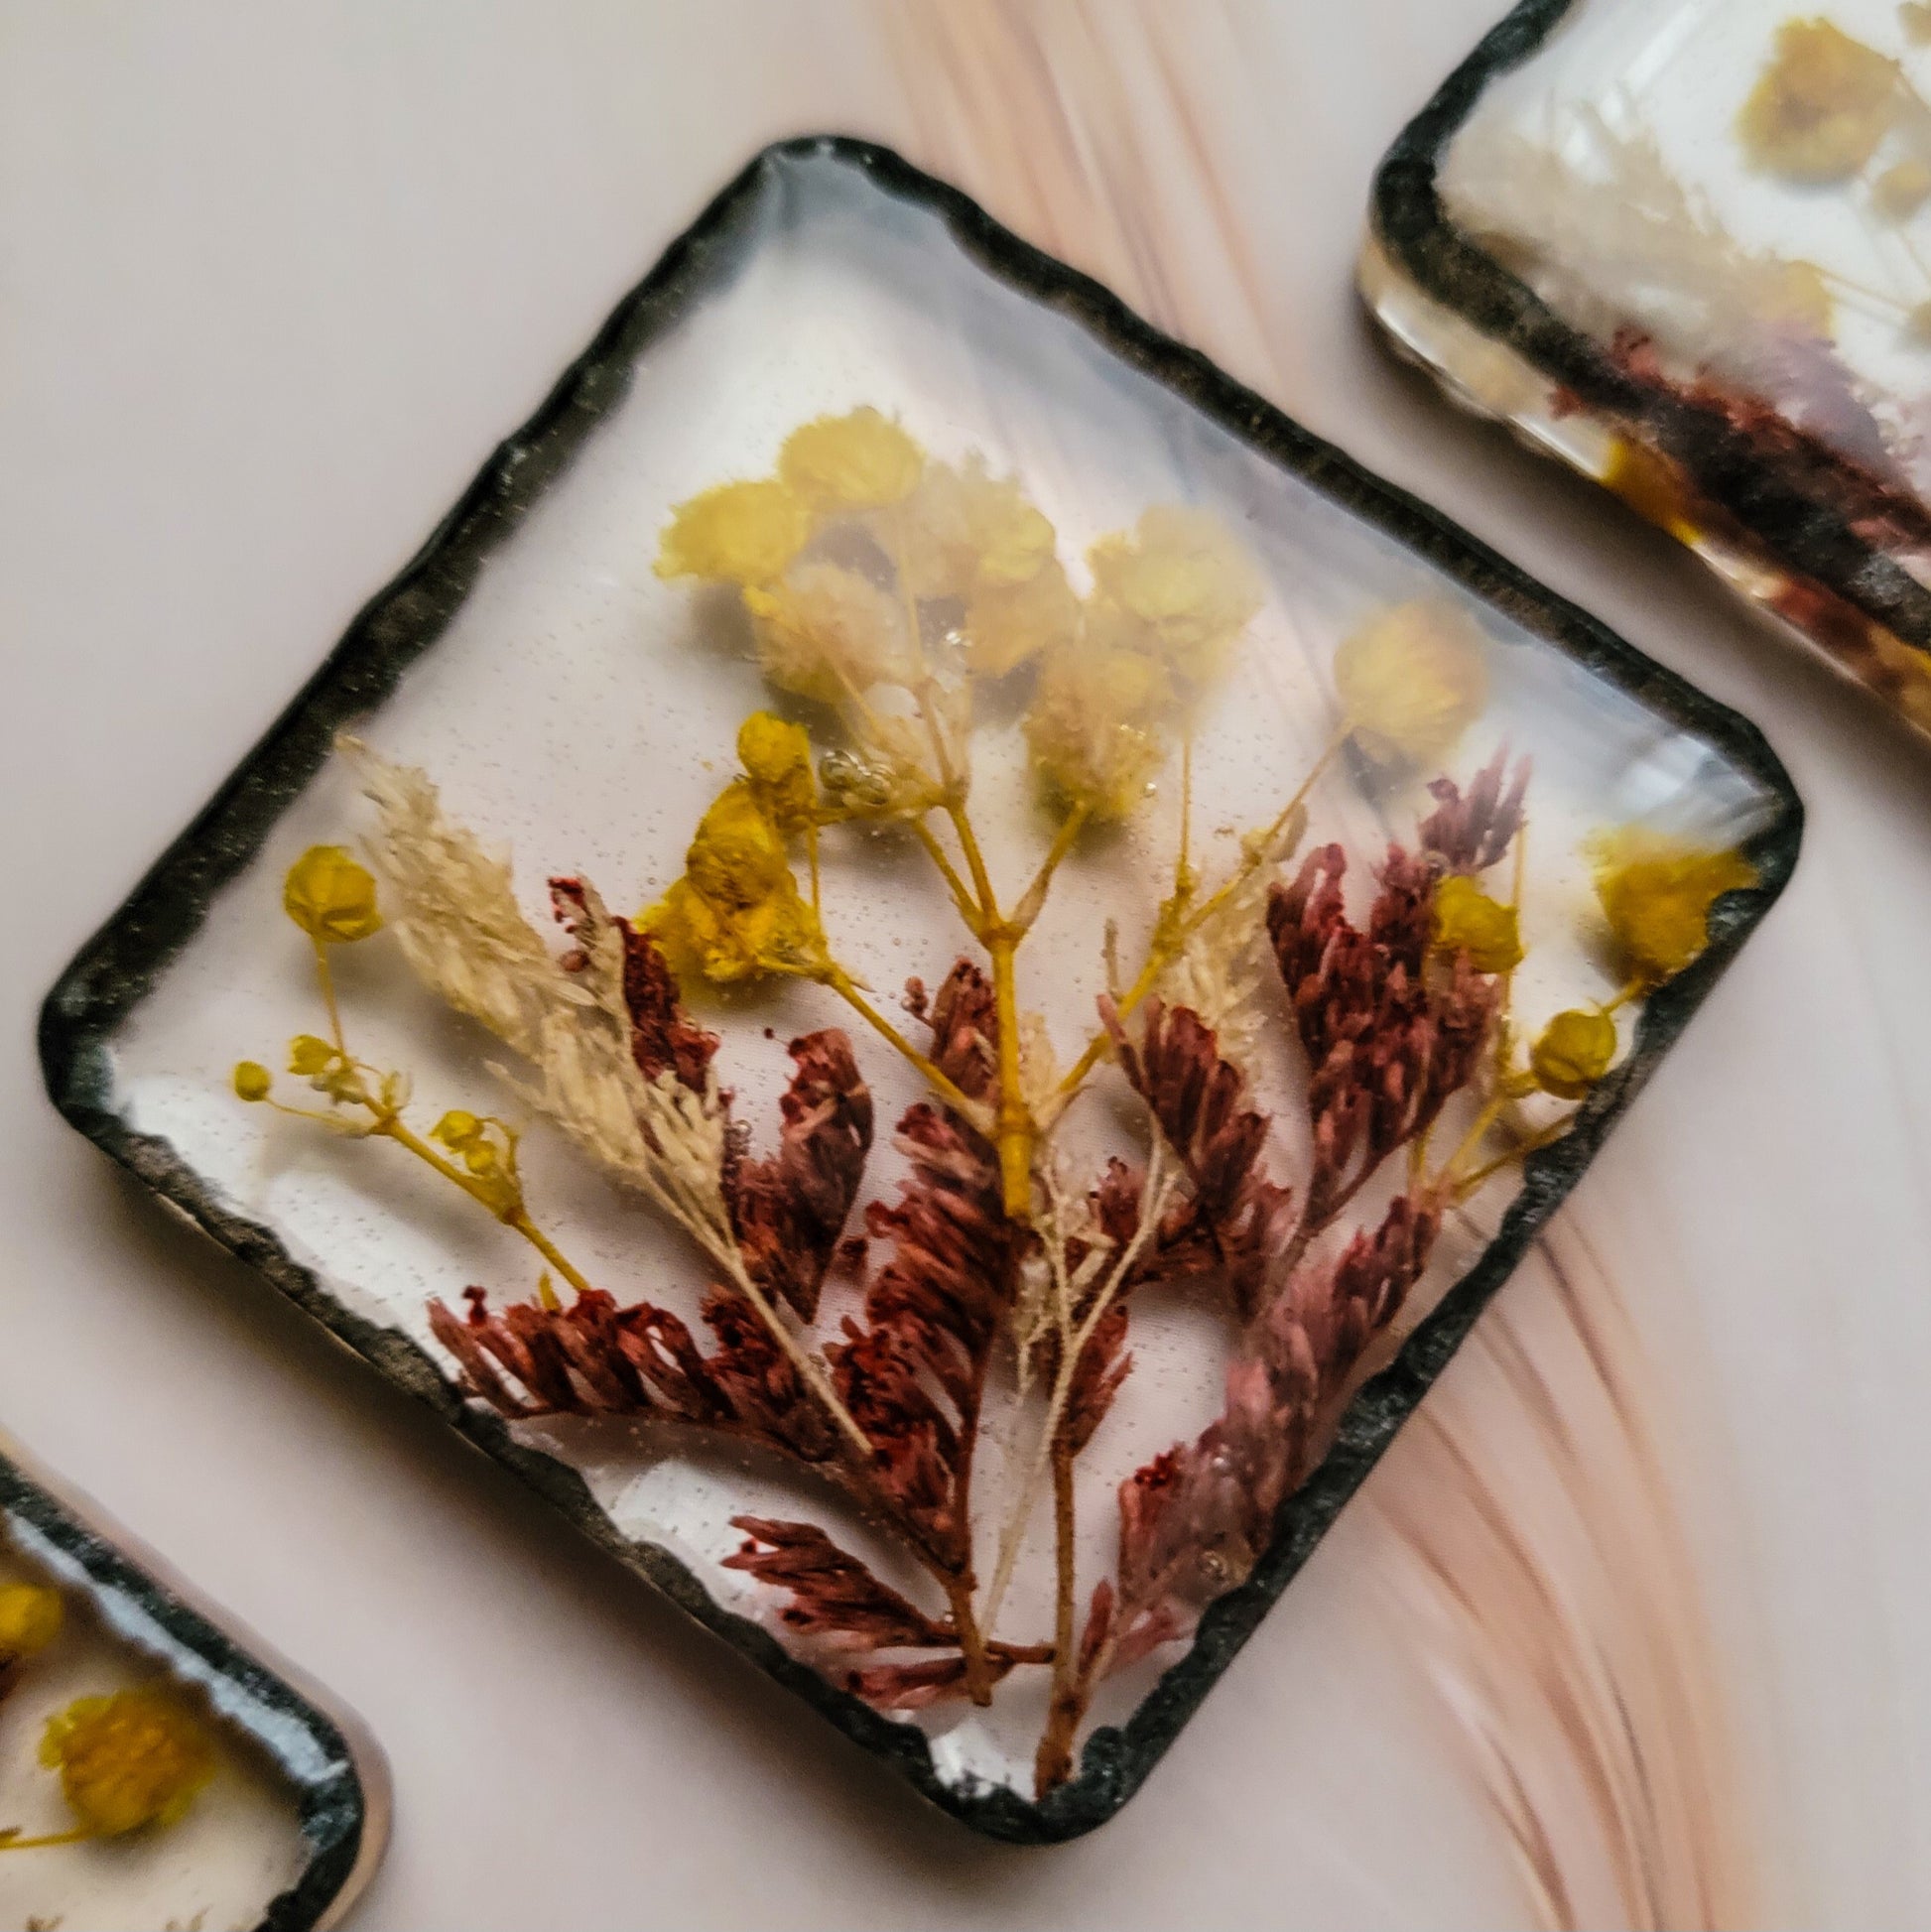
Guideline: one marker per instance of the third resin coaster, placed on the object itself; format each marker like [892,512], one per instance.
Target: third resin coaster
[927,964]
[1685,246]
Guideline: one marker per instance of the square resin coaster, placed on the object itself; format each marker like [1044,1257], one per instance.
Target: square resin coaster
[1061,940]
[155,1768]
[1685,246]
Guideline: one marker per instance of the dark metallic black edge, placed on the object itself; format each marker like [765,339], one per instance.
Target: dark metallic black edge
[333,1811]
[1807,534]
[115,970]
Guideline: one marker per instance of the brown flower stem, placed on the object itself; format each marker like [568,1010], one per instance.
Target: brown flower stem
[841,983]
[1019,1653]
[1066,1662]
[810,850]
[971,1640]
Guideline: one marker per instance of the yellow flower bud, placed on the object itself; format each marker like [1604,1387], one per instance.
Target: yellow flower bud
[1468,921]
[457,1129]
[310,1055]
[1573,1051]
[127,1760]
[1657,893]
[738,533]
[1412,680]
[30,1618]
[858,461]
[252,1080]
[1822,106]
[330,896]
[777,758]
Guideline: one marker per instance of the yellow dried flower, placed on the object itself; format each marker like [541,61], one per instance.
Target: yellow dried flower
[738,858]
[252,1081]
[862,461]
[1822,106]
[31,1617]
[736,533]
[737,910]
[777,759]
[1573,1051]
[704,940]
[825,632]
[330,896]
[1468,921]
[1901,190]
[962,531]
[128,1760]
[1008,624]
[1182,577]
[1412,680]
[1657,893]
[1096,726]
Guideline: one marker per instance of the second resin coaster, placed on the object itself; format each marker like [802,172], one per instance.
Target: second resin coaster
[1685,246]
[156,1767]
[1059,940]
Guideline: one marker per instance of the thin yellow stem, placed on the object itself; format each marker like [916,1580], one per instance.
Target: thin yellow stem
[1484,1120]
[841,983]
[1033,900]
[974,861]
[962,897]
[326,980]
[1547,1137]
[539,1240]
[10,1843]
[1633,990]
[811,848]
[1015,1121]
[1182,871]
[514,1216]
[1166,944]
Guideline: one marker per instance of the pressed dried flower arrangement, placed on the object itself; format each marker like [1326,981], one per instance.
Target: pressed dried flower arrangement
[152,1768]
[1060,939]
[1687,250]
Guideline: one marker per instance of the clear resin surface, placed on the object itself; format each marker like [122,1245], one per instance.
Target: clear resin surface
[949,950]
[1687,247]
[153,1771]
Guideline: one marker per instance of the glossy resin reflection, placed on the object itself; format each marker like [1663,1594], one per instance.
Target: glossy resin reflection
[154,1769]
[1686,248]
[937,976]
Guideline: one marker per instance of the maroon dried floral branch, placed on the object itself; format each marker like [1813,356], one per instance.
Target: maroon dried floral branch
[910,1375]
[1392,1034]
